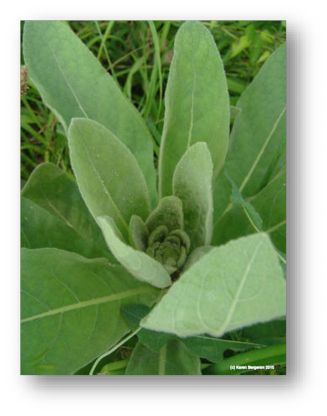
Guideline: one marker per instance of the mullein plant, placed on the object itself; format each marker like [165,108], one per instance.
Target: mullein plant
[175,262]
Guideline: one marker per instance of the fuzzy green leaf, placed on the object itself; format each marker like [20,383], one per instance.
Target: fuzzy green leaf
[196,100]
[139,264]
[269,204]
[172,359]
[192,183]
[54,215]
[138,233]
[169,212]
[71,309]
[258,138]
[73,83]
[196,255]
[230,287]
[107,174]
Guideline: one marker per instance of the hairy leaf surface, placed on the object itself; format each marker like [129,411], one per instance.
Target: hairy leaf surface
[71,309]
[107,173]
[73,83]
[270,204]
[230,287]
[169,212]
[139,264]
[258,138]
[196,100]
[138,233]
[54,215]
[192,183]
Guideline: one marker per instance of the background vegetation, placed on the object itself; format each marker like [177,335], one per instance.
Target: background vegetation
[138,54]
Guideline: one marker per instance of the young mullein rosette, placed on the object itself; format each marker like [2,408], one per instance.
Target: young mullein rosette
[216,289]
[181,236]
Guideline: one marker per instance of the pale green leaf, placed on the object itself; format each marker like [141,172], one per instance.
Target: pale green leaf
[139,264]
[172,359]
[259,129]
[196,256]
[169,212]
[138,233]
[258,138]
[71,309]
[196,101]
[269,204]
[54,215]
[73,83]
[230,287]
[192,183]
[107,174]
[237,199]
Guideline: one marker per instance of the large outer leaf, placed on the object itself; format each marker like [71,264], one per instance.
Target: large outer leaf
[197,103]
[270,203]
[71,309]
[139,264]
[258,139]
[192,183]
[54,215]
[232,286]
[107,173]
[172,359]
[73,83]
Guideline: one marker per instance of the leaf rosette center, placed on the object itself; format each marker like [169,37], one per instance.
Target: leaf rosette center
[170,248]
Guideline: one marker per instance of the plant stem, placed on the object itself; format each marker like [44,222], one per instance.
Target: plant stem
[113,349]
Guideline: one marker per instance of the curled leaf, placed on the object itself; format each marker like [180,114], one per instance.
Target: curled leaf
[169,212]
[139,264]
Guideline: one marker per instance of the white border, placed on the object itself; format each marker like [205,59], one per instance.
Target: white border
[304,387]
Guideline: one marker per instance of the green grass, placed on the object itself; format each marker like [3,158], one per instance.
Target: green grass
[138,54]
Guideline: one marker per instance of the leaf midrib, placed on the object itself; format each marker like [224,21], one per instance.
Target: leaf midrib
[103,185]
[262,150]
[231,311]
[87,303]
[254,165]
[70,87]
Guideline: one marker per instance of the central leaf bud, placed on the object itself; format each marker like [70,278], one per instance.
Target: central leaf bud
[170,248]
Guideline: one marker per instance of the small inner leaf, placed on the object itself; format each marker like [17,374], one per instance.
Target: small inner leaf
[139,264]
[184,238]
[192,183]
[169,249]
[138,233]
[158,235]
[169,212]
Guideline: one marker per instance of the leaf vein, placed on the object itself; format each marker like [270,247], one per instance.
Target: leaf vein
[86,303]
